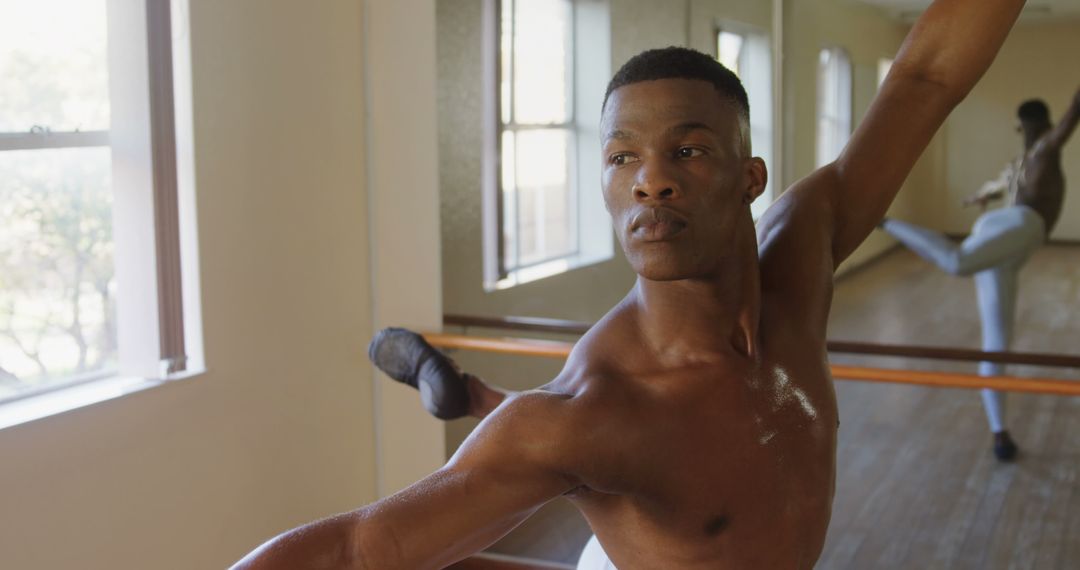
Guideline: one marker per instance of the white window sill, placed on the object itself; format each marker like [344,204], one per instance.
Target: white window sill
[40,406]
[549,269]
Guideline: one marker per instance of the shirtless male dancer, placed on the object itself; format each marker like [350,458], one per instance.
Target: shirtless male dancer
[695,425]
[1002,240]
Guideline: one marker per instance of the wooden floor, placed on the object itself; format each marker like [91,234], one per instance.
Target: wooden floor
[917,486]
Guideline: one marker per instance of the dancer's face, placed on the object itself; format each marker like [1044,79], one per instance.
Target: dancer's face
[677,177]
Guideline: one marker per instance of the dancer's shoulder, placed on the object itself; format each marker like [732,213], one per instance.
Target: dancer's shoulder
[564,427]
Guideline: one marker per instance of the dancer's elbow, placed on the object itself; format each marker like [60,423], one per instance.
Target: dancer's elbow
[367,545]
[345,542]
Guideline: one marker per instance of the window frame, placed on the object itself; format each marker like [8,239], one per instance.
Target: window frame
[589,68]
[513,126]
[884,66]
[159,335]
[762,115]
[840,118]
[44,140]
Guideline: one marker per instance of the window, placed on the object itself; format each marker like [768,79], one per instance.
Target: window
[748,53]
[884,65]
[541,210]
[57,279]
[88,178]
[834,104]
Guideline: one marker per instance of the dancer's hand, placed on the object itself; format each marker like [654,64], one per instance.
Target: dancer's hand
[977,200]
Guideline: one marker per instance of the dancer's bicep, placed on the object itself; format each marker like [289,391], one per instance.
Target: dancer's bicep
[513,463]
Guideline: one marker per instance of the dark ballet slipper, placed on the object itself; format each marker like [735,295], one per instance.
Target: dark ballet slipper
[406,357]
[1004,447]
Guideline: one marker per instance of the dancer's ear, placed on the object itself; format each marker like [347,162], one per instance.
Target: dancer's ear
[755,177]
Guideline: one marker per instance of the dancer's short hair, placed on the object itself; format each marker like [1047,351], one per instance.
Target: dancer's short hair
[682,63]
[1033,111]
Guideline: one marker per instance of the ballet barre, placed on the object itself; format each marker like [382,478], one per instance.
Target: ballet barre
[559,326]
[558,349]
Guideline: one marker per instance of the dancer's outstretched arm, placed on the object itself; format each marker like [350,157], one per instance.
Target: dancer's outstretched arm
[507,469]
[446,391]
[992,190]
[484,397]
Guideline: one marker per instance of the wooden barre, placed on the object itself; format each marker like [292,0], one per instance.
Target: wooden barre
[518,346]
[559,326]
[556,349]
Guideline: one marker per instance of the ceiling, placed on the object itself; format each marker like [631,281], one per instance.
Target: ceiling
[1035,10]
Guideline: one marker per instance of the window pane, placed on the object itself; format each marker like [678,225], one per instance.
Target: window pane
[53,61]
[884,65]
[728,49]
[834,104]
[506,57]
[546,227]
[749,55]
[542,64]
[509,201]
[57,285]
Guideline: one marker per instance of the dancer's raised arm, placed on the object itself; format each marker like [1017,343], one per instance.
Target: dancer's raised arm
[947,51]
[1065,127]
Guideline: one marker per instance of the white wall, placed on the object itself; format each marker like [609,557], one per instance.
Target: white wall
[280,430]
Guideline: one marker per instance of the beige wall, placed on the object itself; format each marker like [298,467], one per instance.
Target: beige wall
[637,25]
[280,430]
[980,136]
[403,196]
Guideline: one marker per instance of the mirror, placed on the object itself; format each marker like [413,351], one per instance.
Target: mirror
[883,285]
[896,472]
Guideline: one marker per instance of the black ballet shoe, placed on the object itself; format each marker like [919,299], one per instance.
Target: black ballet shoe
[406,357]
[1004,447]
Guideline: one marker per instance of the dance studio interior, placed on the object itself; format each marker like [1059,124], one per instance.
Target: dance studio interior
[209,208]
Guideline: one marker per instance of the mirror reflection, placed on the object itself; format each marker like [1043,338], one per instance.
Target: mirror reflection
[971,176]
[979,251]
